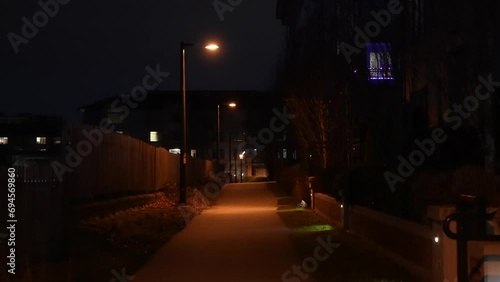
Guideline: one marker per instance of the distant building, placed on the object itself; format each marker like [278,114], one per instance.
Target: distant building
[157,120]
[30,138]
[320,38]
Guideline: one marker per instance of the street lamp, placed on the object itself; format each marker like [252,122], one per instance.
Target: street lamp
[241,166]
[212,47]
[231,105]
[230,143]
[183,157]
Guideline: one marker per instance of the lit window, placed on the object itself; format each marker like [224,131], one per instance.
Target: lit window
[119,132]
[284,154]
[193,153]
[41,140]
[379,61]
[153,136]
[175,151]
[57,140]
[4,140]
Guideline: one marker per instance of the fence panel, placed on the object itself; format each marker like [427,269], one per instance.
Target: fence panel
[122,165]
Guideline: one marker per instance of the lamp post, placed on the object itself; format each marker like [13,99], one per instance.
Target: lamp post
[218,136]
[241,167]
[183,157]
[231,105]
[230,157]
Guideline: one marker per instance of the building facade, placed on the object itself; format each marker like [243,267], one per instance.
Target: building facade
[29,138]
[157,120]
[400,68]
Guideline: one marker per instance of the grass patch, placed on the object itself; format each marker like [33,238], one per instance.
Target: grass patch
[355,260]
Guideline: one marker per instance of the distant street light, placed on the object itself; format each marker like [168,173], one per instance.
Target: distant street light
[231,105]
[183,156]
[230,157]
[212,47]
[241,166]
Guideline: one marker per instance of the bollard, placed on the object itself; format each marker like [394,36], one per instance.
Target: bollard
[311,189]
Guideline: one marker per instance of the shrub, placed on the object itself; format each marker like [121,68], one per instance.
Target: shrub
[294,181]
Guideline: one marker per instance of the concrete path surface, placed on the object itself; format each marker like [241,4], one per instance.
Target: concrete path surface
[241,238]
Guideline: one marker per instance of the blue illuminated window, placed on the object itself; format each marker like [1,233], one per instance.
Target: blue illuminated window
[379,61]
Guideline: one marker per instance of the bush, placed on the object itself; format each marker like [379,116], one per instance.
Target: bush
[294,181]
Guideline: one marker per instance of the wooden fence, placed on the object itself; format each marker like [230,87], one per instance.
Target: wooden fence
[118,165]
[121,165]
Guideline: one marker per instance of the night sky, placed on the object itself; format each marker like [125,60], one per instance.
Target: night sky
[94,49]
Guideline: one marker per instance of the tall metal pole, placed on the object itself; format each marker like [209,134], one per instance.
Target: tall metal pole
[241,170]
[218,136]
[235,166]
[230,172]
[183,156]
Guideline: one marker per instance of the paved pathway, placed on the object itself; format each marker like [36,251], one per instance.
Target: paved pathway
[241,238]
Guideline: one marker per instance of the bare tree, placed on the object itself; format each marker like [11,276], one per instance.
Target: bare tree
[307,101]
